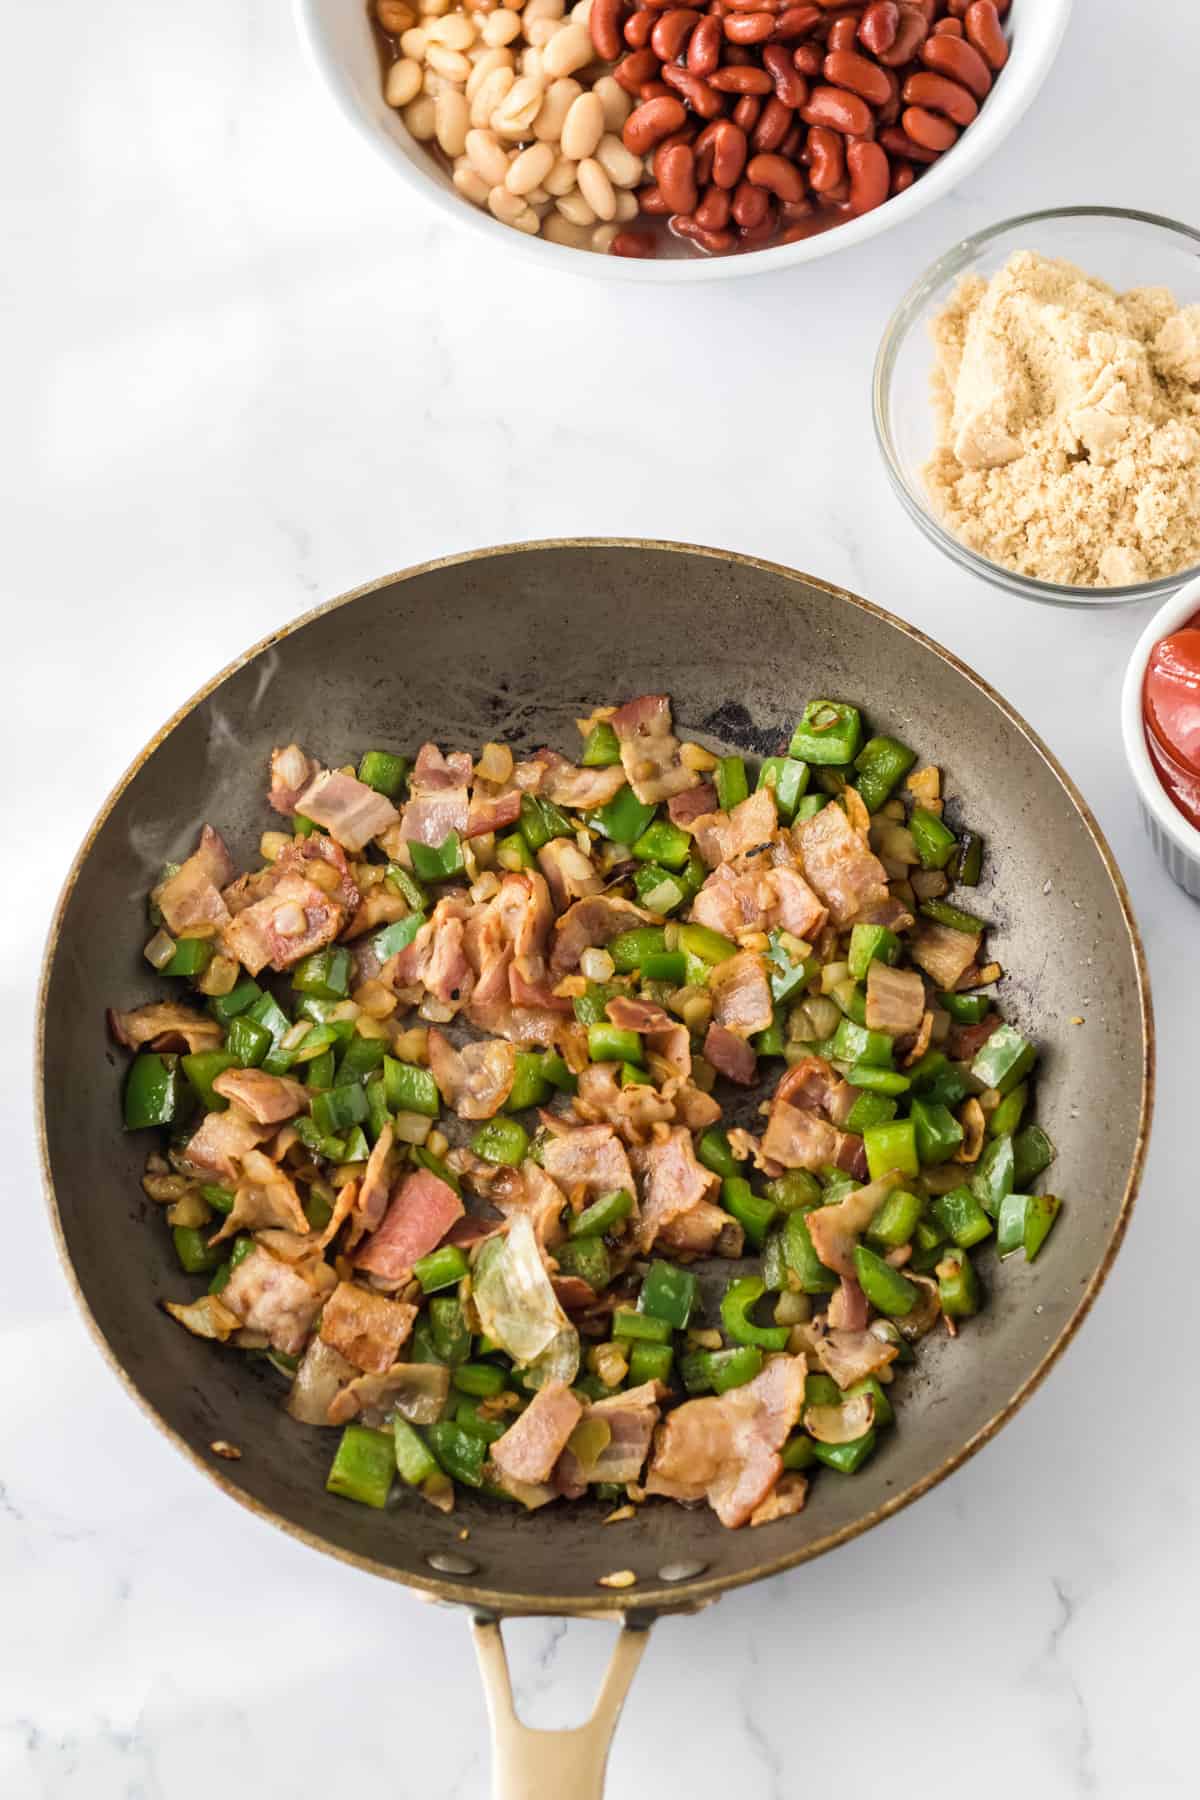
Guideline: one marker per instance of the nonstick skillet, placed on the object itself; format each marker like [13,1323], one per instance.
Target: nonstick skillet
[514,643]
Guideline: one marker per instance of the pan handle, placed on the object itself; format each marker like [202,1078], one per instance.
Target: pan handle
[529,1764]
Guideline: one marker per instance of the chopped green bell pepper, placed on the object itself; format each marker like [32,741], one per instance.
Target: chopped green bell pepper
[626,1323]
[885,1412]
[482,1380]
[190,958]
[968,864]
[878,1081]
[448,1328]
[601,747]
[1024,1223]
[397,936]
[856,1044]
[1004,1120]
[410,1088]
[1004,1060]
[708,945]
[953,917]
[338,1109]
[403,882]
[799,1452]
[738,1299]
[870,1108]
[961,1217]
[238,1000]
[514,854]
[879,766]
[603,1215]
[896,1219]
[729,778]
[530,1086]
[665,965]
[629,949]
[966,1009]
[623,820]
[892,1146]
[754,1214]
[542,822]
[829,732]
[247,1041]
[611,1043]
[325,974]
[196,1255]
[716,1371]
[364,1466]
[800,1256]
[1032,1152]
[788,780]
[386,773]
[461,1453]
[669,1292]
[935,842]
[440,1269]
[501,1141]
[794,1188]
[441,864]
[587,1258]
[868,944]
[202,1068]
[663,843]
[659,890]
[650,1362]
[958,1285]
[938,1132]
[153,1091]
[888,1291]
[847,1459]
[415,1462]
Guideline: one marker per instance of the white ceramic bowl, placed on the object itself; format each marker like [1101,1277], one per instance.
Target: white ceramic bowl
[1177,842]
[342,47]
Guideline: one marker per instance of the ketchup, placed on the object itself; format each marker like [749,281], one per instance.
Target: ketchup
[1171,711]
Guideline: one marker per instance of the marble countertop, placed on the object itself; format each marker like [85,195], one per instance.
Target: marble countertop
[249,378]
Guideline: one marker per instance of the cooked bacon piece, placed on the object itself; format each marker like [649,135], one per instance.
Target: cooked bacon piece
[809,1083]
[164,1025]
[835,1230]
[630,1418]
[591,924]
[668,1044]
[476,1080]
[722,836]
[420,1214]
[786,1498]
[323,862]
[205,1318]
[649,750]
[492,812]
[372,1198]
[281,1301]
[436,959]
[323,1372]
[759,900]
[741,994]
[694,1108]
[192,896]
[798,1138]
[584,789]
[847,1309]
[895,1000]
[633,1110]
[839,863]
[890,912]
[570,875]
[222,1140]
[587,1160]
[292,921]
[533,1444]
[417,1391]
[263,1196]
[964,1042]
[349,810]
[673,1182]
[378,906]
[538,1196]
[269,1099]
[693,804]
[725,1449]
[944,954]
[364,1327]
[439,805]
[730,1055]
[291,772]
[704,1230]
[851,1356]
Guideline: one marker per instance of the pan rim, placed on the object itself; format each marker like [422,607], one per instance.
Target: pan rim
[645,1602]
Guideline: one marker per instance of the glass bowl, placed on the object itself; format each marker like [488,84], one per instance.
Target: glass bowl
[1126,249]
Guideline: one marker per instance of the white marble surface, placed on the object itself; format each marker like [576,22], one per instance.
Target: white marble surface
[241,376]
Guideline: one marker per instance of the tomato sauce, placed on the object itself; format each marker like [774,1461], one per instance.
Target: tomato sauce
[1171,711]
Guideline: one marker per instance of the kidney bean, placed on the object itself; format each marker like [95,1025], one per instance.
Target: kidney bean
[672,31]
[604,23]
[745,113]
[750,205]
[958,61]
[741,81]
[633,243]
[729,154]
[704,101]
[790,86]
[826,158]
[704,150]
[774,123]
[752,236]
[790,211]
[747,6]
[845,69]
[837,110]
[651,201]
[704,46]
[715,242]
[637,28]
[948,28]
[790,146]
[938,95]
[675,173]
[807,59]
[911,33]
[777,175]
[713,211]
[842,32]
[638,67]
[982,21]
[903,176]
[653,90]
[929,129]
[748,28]
[794,21]
[870,175]
[878,26]
[898,143]
[648,124]
[737,56]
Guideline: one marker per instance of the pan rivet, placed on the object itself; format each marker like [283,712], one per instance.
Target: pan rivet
[448,1562]
[681,1571]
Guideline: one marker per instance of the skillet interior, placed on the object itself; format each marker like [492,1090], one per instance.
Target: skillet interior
[515,644]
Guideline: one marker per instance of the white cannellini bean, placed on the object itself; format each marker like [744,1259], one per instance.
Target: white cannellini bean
[622,167]
[489,95]
[603,236]
[487,156]
[501,27]
[528,222]
[470,184]
[558,230]
[418,116]
[583,127]
[581,13]
[529,169]
[576,208]
[569,50]
[616,102]
[483,67]
[432,83]
[450,63]
[541,9]
[627,207]
[531,64]
[456,31]
[561,178]
[519,107]
[560,98]
[505,206]
[596,188]
[452,118]
[403,82]
[413,43]
[434,8]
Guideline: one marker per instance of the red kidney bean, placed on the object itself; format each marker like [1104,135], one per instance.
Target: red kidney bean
[878,26]
[958,61]
[704,101]
[748,28]
[648,124]
[713,211]
[704,155]
[929,129]
[845,69]
[747,6]
[870,175]
[753,236]
[982,21]
[911,33]
[604,23]
[825,155]
[675,173]
[842,32]
[790,86]
[704,47]
[903,176]
[637,30]
[790,146]
[651,201]
[737,56]
[790,211]
[941,96]
[633,243]
[672,31]
[898,143]
[715,242]
[774,123]
[837,111]
[729,154]
[745,113]
[793,22]
[948,28]
[750,205]
[741,81]
[807,59]
[777,175]
[653,90]
[632,70]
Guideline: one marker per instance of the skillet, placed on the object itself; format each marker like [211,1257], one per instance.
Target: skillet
[514,643]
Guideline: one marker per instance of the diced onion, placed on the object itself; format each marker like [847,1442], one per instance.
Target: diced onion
[159,950]
[411,1128]
[597,965]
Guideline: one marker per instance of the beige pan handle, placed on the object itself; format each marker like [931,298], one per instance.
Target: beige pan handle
[552,1765]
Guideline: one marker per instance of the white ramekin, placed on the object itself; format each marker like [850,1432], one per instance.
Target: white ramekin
[1177,842]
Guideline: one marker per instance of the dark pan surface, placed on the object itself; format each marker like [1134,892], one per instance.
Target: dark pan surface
[515,644]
